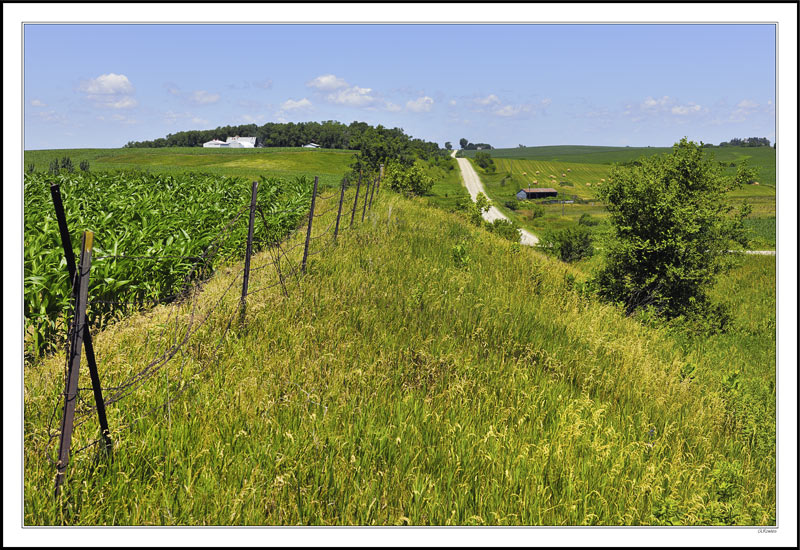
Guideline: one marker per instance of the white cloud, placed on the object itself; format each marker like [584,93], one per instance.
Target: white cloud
[292,105]
[327,82]
[202,97]
[685,109]
[198,120]
[52,116]
[113,91]
[656,104]
[512,110]
[107,84]
[488,100]
[353,96]
[125,102]
[393,107]
[747,104]
[37,103]
[420,105]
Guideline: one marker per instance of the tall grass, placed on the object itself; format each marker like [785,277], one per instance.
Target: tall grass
[404,384]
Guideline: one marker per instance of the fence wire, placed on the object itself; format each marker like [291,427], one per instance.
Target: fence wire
[184,320]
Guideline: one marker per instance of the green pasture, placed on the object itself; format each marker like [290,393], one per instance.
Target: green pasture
[568,170]
[288,162]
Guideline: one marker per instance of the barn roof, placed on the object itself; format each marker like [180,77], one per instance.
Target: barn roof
[540,190]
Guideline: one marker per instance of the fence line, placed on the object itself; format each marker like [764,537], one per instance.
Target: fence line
[184,320]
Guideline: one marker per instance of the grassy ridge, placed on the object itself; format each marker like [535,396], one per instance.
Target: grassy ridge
[329,164]
[401,384]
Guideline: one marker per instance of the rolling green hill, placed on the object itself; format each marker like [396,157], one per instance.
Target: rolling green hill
[427,372]
[329,164]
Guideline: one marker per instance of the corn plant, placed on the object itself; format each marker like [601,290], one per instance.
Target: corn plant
[171,219]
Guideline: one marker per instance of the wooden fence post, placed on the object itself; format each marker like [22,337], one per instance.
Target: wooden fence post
[310,219]
[69,255]
[380,177]
[246,278]
[74,356]
[339,214]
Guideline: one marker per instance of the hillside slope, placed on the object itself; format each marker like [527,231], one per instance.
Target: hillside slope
[422,372]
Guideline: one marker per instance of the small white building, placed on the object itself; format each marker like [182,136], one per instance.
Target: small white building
[311,145]
[246,142]
[215,143]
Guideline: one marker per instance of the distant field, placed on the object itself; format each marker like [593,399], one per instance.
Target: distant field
[517,168]
[329,164]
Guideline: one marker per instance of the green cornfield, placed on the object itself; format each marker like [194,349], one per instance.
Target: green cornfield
[151,231]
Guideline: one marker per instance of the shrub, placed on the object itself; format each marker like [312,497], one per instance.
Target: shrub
[569,245]
[54,167]
[672,229]
[504,228]
[536,211]
[66,164]
[511,205]
[587,220]
[84,165]
[409,181]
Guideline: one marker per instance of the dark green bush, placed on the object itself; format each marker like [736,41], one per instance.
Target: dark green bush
[569,244]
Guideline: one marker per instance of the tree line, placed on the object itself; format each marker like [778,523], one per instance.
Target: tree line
[746,142]
[329,134]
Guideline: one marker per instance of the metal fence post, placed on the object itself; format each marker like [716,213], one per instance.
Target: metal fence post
[74,356]
[364,210]
[69,255]
[310,219]
[355,202]
[246,278]
[339,214]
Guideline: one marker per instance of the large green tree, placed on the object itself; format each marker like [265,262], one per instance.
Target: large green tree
[673,227]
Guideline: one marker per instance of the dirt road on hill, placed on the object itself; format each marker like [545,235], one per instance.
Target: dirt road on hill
[473,184]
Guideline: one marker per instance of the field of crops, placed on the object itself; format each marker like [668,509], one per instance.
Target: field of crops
[285,162]
[150,233]
[568,170]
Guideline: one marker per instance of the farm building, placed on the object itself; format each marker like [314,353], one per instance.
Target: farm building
[311,145]
[536,193]
[214,143]
[245,142]
[235,142]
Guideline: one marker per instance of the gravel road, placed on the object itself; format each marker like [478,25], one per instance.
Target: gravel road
[473,184]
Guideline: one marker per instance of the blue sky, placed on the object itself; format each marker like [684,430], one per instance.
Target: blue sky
[103,85]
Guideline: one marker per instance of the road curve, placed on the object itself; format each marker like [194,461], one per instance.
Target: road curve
[473,184]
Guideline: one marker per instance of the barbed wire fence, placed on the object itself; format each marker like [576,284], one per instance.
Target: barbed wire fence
[193,328]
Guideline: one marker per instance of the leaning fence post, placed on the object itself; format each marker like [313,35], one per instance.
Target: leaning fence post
[246,278]
[355,202]
[380,177]
[310,219]
[339,214]
[69,255]
[74,356]
[364,210]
